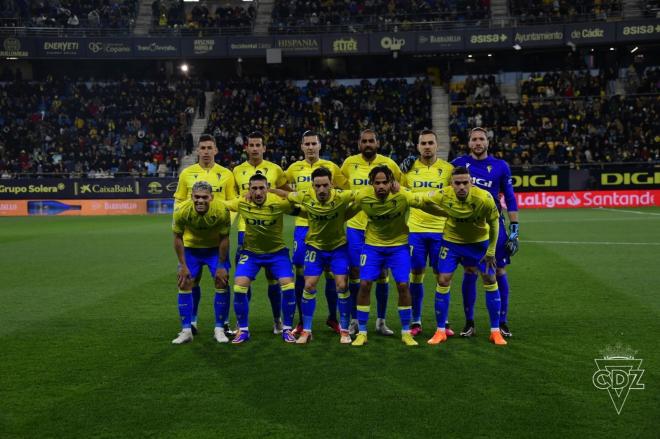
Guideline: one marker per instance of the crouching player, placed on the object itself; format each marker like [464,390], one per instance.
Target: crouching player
[263,247]
[325,247]
[470,238]
[201,237]
[386,246]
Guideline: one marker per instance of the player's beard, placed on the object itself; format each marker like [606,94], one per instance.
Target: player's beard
[369,153]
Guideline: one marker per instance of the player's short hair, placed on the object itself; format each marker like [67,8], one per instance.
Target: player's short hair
[321,172]
[369,131]
[256,135]
[206,138]
[424,132]
[460,170]
[483,130]
[310,133]
[389,175]
[202,186]
[258,176]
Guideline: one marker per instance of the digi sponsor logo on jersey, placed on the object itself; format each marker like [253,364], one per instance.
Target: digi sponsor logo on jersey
[322,217]
[385,216]
[303,178]
[427,184]
[360,181]
[634,178]
[260,222]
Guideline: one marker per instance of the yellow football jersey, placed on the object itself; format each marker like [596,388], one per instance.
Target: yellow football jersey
[326,220]
[422,178]
[474,219]
[220,178]
[356,170]
[299,176]
[201,231]
[386,226]
[242,173]
[263,224]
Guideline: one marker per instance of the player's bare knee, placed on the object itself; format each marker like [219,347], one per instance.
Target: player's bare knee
[402,287]
[470,270]
[444,279]
[354,272]
[417,270]
[310,285]
[488,279]
[501,271]
[340,284]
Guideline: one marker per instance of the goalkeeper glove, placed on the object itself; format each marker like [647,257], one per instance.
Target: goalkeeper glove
[407,163]
[512,242]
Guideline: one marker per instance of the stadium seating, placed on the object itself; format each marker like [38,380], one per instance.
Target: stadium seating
[96,129]
[547,11]
[112,14]
[334,15]
[283,110]
[208,18]
[563,130]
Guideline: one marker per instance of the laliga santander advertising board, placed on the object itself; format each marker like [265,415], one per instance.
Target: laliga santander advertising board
[588,199]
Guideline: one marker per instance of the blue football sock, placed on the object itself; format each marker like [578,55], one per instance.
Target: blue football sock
[221,307]
[185,308]
[354,288]
[469,290]
[275,298]
[441,305]
[405,314]
[344,303]
[331,297]
[493,305]
[503,286]
[288,305]
[417,293]
[197,296]
[363,317]
[241,306]
[308,308]
[299,287]
[382,293]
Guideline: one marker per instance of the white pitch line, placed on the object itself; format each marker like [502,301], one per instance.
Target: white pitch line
[592,242]
[627,211]
[587,220]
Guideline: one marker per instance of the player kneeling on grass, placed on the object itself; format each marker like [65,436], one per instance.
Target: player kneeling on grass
[386,245]
[325,246]
[470,237]
[201,237]
[263,247]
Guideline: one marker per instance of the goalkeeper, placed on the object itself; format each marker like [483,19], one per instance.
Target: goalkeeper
[494,176]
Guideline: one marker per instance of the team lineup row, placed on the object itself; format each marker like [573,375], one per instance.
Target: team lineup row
[397,219]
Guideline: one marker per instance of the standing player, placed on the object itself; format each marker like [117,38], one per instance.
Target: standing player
[469,238]
[255,151]
[356,169]
[493,175]
[325,246]
[385,246]
[201,237]
[224,188]
[263,246]
[299,175]
[426,173]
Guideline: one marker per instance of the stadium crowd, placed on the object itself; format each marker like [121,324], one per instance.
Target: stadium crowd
[475,88]
[94,129]
[174,14]
[564,131]
[374,13]
[114,14]
[281,110]
[549,11]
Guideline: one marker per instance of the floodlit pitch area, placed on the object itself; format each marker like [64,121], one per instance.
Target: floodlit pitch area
[89,309]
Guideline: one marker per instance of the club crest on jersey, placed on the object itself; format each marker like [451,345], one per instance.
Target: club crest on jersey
[489,167]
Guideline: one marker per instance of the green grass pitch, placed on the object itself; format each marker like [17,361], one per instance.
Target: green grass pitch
[89,309]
